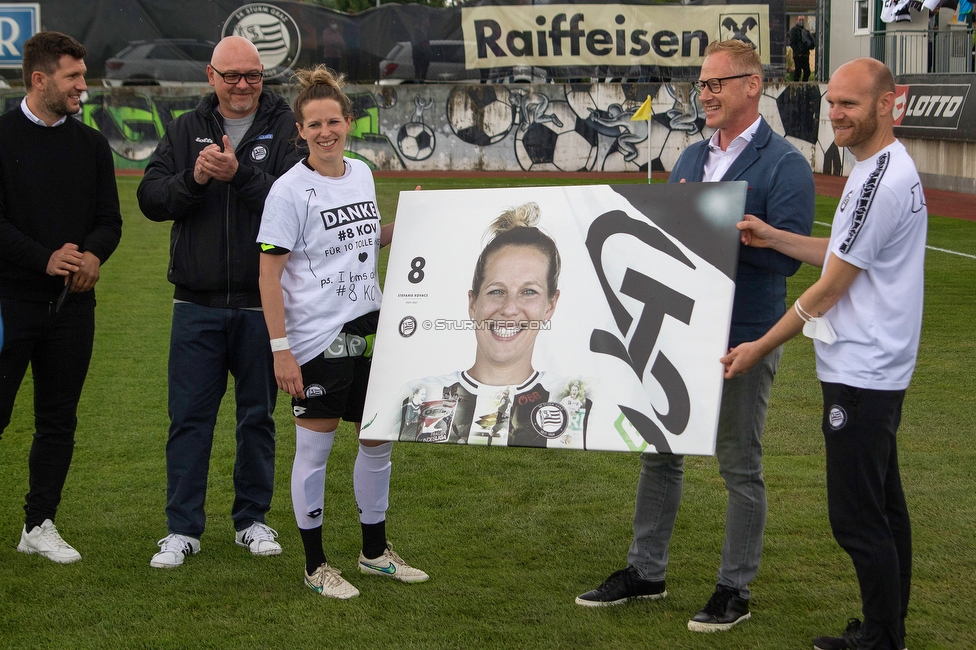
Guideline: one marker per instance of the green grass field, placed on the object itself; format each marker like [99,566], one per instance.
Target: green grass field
[509,536]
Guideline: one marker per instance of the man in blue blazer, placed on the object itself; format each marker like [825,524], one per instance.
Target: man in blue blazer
[781,192]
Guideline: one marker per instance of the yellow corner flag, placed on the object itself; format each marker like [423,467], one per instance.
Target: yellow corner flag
[644,112]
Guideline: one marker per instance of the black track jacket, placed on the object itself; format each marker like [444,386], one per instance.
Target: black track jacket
[214,257]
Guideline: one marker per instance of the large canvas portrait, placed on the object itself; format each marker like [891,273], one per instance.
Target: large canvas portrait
[586,317]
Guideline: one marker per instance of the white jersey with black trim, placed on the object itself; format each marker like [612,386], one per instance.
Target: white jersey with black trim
[455,408]
[893,11]
[332,228]
[880,227]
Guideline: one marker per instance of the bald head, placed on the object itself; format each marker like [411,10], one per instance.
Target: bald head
[861,98]
[872,73]
[234,58]
[236,52]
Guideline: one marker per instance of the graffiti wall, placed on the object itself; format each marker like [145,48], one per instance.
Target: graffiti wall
[518,127]
[571,127]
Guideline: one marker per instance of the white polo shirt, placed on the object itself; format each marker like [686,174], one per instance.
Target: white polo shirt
[879,226]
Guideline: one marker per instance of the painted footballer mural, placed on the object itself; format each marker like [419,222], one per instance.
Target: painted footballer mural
[585,317]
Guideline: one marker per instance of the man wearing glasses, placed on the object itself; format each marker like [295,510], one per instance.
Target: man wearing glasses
[781,193]
[210,175]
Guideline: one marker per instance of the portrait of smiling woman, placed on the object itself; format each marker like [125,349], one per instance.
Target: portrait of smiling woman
[502,399]
[513,293]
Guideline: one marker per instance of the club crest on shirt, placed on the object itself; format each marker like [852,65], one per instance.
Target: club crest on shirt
[843,204]
[549,419]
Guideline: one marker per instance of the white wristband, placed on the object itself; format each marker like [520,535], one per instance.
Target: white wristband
[277,345]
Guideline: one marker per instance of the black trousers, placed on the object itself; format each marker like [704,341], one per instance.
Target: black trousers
[801,66]
[866,504]
[58,347]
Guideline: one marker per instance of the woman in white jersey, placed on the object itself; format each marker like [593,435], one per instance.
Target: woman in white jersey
[320,237]
[502,399]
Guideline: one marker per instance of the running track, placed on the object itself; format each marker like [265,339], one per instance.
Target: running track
[940,202]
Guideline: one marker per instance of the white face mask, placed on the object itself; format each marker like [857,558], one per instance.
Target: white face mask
[820,329]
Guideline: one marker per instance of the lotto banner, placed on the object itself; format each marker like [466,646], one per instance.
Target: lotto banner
[624,358]
[929,106]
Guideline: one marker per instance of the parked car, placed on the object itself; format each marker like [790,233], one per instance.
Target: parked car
[446,64]
[160,62]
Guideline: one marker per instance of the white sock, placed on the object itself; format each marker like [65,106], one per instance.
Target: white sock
[371,480]
[312,450]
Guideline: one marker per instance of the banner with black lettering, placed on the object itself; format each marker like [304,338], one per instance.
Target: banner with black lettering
[148,42]
[615,35]
[587,317]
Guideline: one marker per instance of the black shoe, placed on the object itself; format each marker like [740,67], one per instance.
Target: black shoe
[723,610]
[849,640]
[622,586]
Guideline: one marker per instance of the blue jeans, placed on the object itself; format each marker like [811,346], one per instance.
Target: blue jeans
[739,449]
[205,344]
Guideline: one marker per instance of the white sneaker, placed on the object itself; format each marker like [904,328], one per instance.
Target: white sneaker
[260,539]
[45,540]
[329,582]
[391,565]
[172,549]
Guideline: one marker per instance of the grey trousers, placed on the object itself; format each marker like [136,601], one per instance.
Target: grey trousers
[739,449]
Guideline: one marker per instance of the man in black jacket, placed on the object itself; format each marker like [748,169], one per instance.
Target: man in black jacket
[801,42]
[210,175]
[59,222]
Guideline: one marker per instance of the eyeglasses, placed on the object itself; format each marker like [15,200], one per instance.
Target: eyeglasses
[234,78]
[714,84]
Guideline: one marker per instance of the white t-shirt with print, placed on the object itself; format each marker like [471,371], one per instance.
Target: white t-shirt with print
[332,228]
[880,227]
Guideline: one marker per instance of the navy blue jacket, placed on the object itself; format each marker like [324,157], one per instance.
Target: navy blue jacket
[781,193]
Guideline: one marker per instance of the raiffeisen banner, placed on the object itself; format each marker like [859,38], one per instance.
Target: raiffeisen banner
[614,35]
